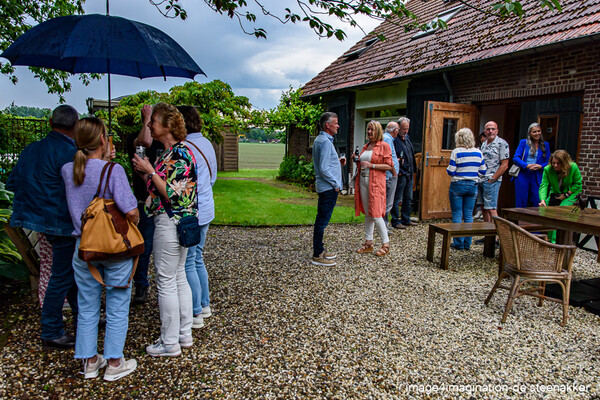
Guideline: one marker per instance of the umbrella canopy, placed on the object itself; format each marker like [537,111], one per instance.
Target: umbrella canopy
[102,44]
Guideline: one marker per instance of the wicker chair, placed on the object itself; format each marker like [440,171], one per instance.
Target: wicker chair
[530,258]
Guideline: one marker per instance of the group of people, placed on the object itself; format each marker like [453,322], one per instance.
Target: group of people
[540,179]
[383,182]
[384,179]
[54,181]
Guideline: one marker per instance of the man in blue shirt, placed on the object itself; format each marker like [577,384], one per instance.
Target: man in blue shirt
[40,205]
[391,177]
[328,182]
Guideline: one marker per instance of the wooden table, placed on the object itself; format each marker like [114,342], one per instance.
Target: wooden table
[564,219]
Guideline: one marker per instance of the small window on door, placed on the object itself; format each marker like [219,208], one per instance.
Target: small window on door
[549,125]
[449,132]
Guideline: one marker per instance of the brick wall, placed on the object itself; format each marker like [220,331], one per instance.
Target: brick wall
[298,143]
[554,72]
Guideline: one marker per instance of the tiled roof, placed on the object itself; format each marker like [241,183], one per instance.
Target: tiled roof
[470,36]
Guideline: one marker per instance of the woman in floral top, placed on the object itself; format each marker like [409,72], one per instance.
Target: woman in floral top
[173,178]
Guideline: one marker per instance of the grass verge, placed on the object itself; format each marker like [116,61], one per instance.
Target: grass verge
[247,202]
[261,155]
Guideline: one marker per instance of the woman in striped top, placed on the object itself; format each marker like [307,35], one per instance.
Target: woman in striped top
[466,166]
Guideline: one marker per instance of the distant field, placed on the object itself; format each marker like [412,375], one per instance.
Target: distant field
[261,155]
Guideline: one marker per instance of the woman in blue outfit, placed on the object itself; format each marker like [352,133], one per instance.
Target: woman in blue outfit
[81,178]
[531,156]
[465,167]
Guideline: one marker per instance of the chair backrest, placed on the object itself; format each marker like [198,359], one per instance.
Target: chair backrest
[525,251]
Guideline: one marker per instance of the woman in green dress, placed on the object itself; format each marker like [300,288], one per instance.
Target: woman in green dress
[561,183]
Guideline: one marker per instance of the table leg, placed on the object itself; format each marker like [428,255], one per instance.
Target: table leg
[445,250]
[489,246]
[430,244]
[564,237]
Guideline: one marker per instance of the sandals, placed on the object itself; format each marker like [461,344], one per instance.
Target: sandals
[383,250]
[367,247]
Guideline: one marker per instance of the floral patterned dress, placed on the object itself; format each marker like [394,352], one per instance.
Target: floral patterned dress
[177,167]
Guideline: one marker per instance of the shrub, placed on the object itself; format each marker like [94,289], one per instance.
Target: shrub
[11,265]
[297,170]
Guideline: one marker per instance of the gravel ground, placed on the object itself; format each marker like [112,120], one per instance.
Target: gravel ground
[367,328]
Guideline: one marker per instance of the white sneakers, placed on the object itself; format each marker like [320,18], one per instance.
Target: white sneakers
[159,349]
[124,369]
[206,312]
[198,322]
[186,341]
[92,370]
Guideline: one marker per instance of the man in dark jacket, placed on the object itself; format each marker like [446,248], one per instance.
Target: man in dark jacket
[404,187]
[40,205]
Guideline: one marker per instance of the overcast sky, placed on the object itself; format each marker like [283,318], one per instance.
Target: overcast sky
[256,68]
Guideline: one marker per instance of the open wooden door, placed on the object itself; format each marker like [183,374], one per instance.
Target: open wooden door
[441,122]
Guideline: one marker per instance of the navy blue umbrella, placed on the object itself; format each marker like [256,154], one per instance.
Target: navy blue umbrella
[102,44]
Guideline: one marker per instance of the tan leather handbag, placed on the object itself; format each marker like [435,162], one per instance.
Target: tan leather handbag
[106,233]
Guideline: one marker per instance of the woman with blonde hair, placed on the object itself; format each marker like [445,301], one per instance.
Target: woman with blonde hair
[370,190]
[561,183]
[82,179]
[171,184]
[531,156]
[465,167]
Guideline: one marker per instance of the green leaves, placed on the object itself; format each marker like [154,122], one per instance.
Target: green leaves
[292,110]
[218,106]
[11,265]
[16,18]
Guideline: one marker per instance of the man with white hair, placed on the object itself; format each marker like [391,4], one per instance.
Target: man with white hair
[40,205]
[408,166]
[391,177]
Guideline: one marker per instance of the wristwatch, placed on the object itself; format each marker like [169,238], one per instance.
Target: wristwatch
[151,175]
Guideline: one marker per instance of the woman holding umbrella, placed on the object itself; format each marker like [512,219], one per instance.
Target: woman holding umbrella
[171,184]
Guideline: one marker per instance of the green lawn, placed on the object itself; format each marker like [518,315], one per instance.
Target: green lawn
[265,202]
[261,155]
[250,173]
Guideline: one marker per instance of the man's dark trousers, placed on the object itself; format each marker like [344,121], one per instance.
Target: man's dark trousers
[325,206]
[404,193]
[146,227]
[61,285]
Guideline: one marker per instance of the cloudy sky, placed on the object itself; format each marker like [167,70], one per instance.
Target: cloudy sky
[256,68]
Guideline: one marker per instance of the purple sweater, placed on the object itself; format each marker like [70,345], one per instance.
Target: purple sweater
[79,197]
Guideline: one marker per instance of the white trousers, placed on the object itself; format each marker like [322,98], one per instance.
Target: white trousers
[174,293]
[378,223]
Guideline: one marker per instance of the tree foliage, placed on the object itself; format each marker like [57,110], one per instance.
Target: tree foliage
[292,110]
[24,111]
[16,17]
[218,106]
[319,14]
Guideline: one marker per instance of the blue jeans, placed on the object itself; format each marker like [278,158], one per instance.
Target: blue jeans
[61,285]
[115,272]
[462,200]
[196,274]
[325,206]
[146,227]
[404,193]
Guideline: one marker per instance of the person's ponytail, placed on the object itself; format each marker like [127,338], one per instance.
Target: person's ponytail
[88,133]
[79,162]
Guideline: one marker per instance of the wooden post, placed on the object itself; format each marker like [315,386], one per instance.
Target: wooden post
[29,255]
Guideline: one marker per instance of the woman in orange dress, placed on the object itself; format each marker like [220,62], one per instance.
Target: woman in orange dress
[369,196]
